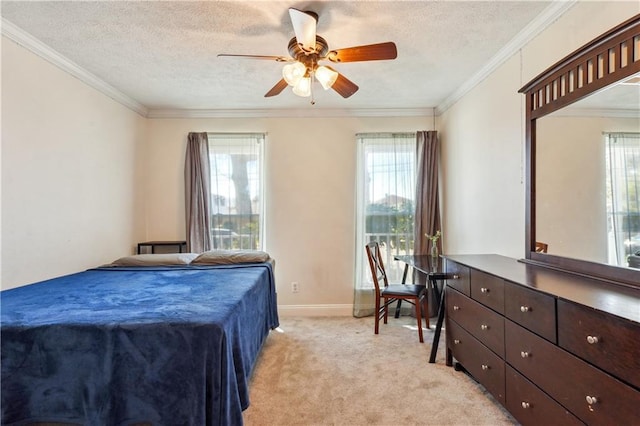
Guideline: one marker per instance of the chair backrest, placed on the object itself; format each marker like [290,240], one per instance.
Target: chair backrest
[541,247]
[378,272]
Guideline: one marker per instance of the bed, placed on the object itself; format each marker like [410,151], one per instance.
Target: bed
[122,344]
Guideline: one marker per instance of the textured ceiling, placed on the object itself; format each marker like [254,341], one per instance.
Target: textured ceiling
[163,54]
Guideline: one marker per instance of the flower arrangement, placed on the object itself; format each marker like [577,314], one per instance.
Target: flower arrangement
[434,238]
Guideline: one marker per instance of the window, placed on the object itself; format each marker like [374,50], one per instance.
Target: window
[237,199]
[623,191]
[386,200]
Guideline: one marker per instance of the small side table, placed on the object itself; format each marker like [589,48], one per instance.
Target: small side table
[153,244]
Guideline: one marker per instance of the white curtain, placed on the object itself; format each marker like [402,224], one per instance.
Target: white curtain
[386,179]
[623,189]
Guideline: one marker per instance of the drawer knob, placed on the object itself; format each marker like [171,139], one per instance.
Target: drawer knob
[592,340]
[484,327]
[456,342]
[524,354]
[484,290]
[456,308]
[524,309]
[525,404]
[485,367]
[591,400]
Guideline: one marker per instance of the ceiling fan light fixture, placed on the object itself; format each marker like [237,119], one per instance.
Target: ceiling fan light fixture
[326,76]
[292,73]
[307,49]
[303,87]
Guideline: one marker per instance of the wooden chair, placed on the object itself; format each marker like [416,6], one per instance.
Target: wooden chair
[414,294]
[541,247]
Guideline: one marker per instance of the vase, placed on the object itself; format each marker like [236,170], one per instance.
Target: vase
[435,257]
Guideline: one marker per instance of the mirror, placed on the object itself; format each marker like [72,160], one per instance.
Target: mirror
[570,109]
[586,207]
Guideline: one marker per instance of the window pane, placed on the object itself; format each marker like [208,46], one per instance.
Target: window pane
[236,190]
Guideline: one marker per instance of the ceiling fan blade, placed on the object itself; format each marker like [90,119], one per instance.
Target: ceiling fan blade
[271,58]
[275,90]
[343,85]
[370,52]
[304,25]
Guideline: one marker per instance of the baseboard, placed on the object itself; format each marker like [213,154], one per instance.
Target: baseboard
[315,310]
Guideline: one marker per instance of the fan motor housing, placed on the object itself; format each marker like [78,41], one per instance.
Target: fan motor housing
[296,51]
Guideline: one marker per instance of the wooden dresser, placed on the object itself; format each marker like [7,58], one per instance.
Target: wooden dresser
[552,347]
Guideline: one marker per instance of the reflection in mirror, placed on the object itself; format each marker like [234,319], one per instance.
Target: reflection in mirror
[588,177]
[623,184]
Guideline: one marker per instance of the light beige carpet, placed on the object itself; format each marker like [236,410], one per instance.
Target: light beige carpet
[336,371]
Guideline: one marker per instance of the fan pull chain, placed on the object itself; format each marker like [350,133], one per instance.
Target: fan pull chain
[313,80]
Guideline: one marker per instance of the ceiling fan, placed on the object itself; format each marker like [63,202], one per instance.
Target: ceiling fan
[307,49]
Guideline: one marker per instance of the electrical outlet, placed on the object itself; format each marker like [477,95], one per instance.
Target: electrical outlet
[295,287]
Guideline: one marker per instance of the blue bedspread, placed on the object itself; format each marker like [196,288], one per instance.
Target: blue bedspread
[115,346]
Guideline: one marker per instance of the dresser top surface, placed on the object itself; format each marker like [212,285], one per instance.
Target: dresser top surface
[620,301]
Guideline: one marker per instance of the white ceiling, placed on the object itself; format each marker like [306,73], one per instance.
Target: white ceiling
[160,57]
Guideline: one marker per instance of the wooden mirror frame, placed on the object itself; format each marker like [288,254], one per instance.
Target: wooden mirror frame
[609,58]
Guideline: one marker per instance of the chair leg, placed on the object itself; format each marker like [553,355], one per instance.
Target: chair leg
[426,306]
[377,323]
[386,309]
[419,317]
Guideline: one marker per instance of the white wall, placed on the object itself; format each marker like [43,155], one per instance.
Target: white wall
[71,163]
[311,164]
[483,198]
[482,137]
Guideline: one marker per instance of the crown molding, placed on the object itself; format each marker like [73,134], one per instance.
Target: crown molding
[289,113]
[31,43]
[535,27]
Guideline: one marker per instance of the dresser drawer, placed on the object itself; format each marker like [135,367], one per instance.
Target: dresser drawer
[530,406]
[608,342]
[486,325]
[531,309]
[461,280]
[571,381]
[485,366]
[488,290]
